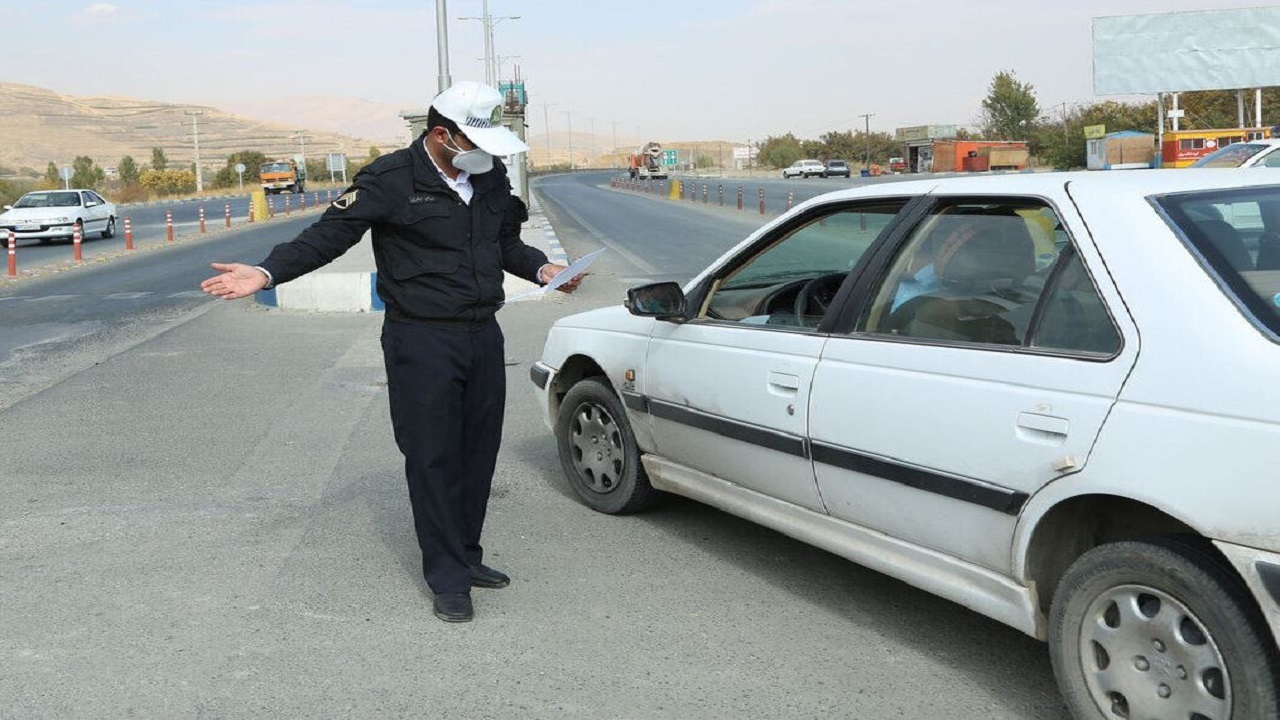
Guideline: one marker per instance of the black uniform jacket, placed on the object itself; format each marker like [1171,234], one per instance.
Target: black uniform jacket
[439,260]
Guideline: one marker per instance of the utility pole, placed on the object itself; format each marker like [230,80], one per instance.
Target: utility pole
[442,46]
[866,137]
[488,21]
[546,128]
[301,137]
[195,139]
[568,116]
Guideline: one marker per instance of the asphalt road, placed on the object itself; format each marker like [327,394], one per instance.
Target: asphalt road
[205,516]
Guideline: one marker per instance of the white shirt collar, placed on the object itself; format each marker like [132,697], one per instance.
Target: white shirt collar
[460,184]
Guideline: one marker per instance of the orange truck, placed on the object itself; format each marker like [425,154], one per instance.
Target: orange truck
[282,176]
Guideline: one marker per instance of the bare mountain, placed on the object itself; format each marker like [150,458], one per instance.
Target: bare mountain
[38,126]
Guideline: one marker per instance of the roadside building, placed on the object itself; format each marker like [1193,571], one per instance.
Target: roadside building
[935,148]
[1122,150]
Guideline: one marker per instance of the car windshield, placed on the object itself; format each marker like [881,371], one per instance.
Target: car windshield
[836,163]
[1230,156]
[48,199]
[275,167]
[1236,235]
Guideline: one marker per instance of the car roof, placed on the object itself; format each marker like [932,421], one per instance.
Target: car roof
[1137,183]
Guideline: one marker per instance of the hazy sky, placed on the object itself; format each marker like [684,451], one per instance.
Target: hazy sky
[667,70]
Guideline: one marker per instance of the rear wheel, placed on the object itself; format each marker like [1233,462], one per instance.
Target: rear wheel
[1160,629]
[598,450]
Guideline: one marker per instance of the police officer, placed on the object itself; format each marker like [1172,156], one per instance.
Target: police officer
[444,228]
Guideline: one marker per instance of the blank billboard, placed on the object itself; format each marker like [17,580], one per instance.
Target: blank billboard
[1178,52]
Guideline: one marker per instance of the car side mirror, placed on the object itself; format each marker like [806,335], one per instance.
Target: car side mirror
[664,301]
[8,207]
[90,204]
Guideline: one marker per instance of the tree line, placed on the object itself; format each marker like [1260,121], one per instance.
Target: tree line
[134,182]
[1011,111]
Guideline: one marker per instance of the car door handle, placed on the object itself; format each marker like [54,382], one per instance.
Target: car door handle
[1049,425]
[789,384]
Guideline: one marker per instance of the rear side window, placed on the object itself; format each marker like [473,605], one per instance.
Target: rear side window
[1236,236]
[994,273]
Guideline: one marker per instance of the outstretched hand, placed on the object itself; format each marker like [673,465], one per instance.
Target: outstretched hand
[236,280]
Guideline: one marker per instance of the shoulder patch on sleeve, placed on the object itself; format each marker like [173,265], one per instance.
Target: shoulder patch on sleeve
[346,200]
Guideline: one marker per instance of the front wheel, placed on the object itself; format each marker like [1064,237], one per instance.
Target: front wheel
[109,230]
[598,450]
[1160,629]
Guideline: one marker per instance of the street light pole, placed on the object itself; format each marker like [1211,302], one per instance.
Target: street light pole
[568,116]
[442,46]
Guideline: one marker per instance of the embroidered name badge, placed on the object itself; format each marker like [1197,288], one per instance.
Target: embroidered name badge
[346,201]
[419,199]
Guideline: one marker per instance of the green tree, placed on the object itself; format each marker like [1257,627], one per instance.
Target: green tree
[128,171]
[51,177]
[1061,142]
[1009,112]
[86,173]
[374,153]
[158,159]
[252,160]
[779,152]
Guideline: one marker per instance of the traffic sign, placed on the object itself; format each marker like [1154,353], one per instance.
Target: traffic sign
[669,157]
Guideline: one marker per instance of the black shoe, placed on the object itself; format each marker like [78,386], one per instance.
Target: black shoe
[483,576]
[454,607]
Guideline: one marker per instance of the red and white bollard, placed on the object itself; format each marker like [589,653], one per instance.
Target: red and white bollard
[228,214]
[250,209]
[720,194]
[739,197]
[13,255]
[704,193]
[201,219]
[168,224]
[271,208]
[328,196]
[75,243]
[791,198]
[302,202]
[761,201]
[286,206]
[128,234]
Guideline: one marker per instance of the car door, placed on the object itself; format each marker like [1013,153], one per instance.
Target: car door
[727,392]
[95,218]
[981,368]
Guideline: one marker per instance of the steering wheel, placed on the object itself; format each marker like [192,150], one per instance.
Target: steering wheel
[816,296]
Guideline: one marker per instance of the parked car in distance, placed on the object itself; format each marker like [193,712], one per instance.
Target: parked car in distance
[1252,153]
[836,168]
[56,214]
[804,168]
[1050,398]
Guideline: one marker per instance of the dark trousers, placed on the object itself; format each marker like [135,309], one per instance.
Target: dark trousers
[447,387]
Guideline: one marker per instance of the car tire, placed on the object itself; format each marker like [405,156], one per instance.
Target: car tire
[1168,622]
[109,230]
[598,450]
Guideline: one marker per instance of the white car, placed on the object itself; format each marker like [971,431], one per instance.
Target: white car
[56,214]
[1051,398]
[804,168]
[1252,153]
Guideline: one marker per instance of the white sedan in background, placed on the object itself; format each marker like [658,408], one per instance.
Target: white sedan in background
[1252,153]
[57,214]
[1051,398]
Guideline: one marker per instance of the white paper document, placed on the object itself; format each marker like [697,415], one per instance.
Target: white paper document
[575,268]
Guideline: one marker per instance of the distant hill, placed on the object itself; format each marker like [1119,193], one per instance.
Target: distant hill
[38,126]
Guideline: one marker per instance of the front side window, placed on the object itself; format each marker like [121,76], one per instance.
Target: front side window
[978,273]
[791,282]
[1236,235]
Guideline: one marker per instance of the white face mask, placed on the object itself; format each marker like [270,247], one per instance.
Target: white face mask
[472,162]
